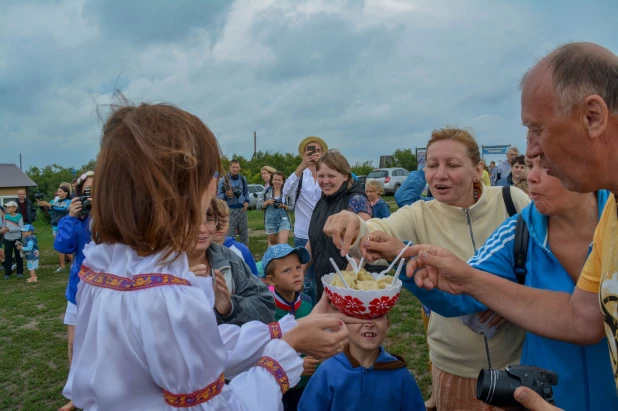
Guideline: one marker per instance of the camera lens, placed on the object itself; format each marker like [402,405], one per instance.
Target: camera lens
[496,387]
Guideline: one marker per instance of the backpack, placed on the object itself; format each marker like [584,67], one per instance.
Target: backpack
[520,245]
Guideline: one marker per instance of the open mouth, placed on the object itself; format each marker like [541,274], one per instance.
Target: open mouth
[440,188]
[369,335]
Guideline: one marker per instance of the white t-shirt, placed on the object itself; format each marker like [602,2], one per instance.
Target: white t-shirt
[310,193]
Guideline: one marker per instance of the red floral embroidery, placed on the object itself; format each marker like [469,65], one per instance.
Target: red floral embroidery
[196,397]
[275,330]
[137,282]
[273,367]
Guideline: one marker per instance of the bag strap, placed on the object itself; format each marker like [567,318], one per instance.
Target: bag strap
[508,201]
[300,186]
[520,246]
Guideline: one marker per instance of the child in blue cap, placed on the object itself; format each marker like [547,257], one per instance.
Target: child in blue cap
[30,247]
[283,269]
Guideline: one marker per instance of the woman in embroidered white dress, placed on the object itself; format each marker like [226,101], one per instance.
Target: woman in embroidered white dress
[146,336]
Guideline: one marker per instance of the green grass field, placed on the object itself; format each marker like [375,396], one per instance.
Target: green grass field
[33,345]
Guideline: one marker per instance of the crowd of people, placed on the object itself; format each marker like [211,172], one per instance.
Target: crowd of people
[168,310]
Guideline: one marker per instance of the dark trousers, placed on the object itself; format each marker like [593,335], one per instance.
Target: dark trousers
[9,249]
[291,399]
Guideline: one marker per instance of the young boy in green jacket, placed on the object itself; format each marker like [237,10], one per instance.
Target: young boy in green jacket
[283,268]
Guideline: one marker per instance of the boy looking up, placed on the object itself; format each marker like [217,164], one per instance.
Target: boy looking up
[283,267]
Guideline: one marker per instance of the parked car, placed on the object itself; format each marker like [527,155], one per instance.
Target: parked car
[391,178]
[256,192]
[362,180]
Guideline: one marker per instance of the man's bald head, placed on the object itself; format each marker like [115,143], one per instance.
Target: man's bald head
[575,71]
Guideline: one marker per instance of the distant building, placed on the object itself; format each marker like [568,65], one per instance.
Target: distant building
[386,161]
[12,179]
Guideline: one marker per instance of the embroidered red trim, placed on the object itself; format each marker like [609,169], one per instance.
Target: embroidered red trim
[196,397]
[275,331]
[138,282]
[277,371]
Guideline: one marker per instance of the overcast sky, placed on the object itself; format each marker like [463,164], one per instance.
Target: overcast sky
[367,76]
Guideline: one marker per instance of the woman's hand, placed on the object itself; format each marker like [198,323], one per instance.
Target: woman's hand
[378,245]
[75,207]
[343,227]
[325,308]
[201,270]
[223,298]
[495,321]
[319,336]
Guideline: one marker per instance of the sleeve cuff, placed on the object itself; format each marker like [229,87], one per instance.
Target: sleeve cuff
[286,324]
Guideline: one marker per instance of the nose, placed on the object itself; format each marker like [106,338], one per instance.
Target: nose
[534,175]
[442,172]
[534,146]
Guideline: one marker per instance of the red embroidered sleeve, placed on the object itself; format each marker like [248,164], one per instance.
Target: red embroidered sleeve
[277,371]
[275,330]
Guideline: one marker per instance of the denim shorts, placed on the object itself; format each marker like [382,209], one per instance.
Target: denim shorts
[276,220]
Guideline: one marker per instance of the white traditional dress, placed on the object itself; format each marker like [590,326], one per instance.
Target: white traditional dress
[147,338]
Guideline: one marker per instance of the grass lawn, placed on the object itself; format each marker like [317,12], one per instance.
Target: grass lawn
[33,345]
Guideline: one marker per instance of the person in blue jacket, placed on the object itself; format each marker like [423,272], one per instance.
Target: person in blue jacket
[412,189]
[364,376]
[553,262]
[72,236]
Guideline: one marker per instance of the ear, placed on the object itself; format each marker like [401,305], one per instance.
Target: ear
[269,280]
[595,115]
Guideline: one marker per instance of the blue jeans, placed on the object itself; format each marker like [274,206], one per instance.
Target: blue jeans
[310,274]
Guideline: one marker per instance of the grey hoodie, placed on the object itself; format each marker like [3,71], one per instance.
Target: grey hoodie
[251,299]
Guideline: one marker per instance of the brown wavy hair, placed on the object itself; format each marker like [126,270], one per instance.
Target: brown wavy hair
[156,162]
[336,161]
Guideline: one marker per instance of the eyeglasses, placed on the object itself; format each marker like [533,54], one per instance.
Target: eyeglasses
[211,220]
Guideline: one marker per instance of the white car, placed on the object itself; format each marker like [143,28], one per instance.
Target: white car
[256,192]
[391,178]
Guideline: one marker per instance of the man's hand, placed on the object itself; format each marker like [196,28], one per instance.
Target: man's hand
[343,227]
[533,401]
[245,206]
[436,267]
[75,207]
[378,245]
[309,366]
[18,247]
[223,298]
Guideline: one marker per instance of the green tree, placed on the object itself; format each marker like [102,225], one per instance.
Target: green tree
[363,168]
[404,158]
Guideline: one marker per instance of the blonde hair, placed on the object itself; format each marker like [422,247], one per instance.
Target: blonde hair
[220,207]
[461,136]
[376,186]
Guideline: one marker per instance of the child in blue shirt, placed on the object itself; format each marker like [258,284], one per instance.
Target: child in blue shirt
[374,191]
[364,376]
[30,248]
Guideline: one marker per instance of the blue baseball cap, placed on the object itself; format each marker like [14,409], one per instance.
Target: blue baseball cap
[282,250]
[28,227]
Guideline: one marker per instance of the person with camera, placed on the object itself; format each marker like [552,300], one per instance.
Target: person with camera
[72,236]
[234,190]
[276,207]
[303,188]
[58,208]
[544,248]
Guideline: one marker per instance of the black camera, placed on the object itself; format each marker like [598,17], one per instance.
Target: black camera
[237,192]
[39,195]
[497,387]
[86,202]
[277,203]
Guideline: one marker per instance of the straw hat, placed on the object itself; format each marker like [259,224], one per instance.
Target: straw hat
[311,139]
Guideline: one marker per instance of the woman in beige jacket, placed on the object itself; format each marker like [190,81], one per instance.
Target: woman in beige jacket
[463,214]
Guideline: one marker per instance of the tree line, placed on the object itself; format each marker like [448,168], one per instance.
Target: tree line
[48,178]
